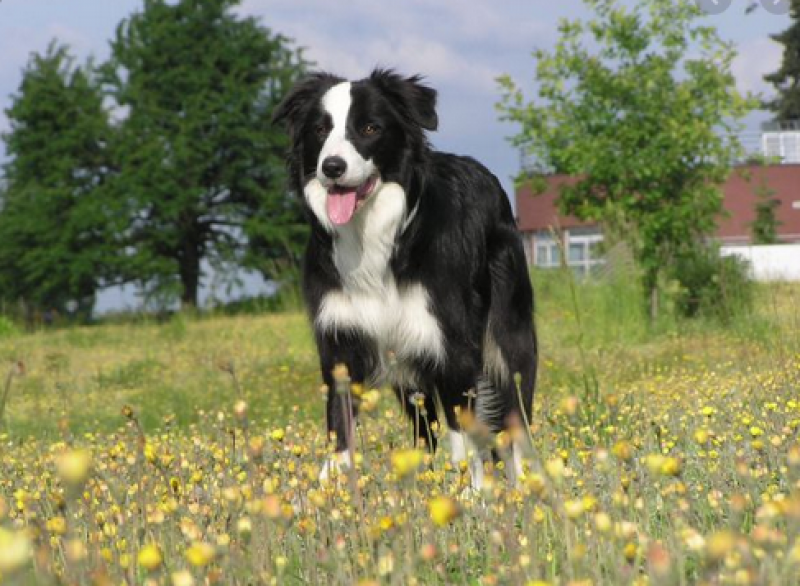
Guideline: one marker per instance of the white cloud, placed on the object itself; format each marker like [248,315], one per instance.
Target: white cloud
[757,58]
[465,46]
[80,43]
[17,44]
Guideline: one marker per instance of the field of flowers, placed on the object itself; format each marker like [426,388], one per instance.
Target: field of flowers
[188,452]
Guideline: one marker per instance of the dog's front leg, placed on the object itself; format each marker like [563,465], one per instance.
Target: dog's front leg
[344,361]
[341,413]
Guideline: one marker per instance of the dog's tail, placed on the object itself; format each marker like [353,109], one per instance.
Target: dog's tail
[490,405]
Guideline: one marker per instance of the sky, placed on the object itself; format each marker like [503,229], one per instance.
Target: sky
[460,46]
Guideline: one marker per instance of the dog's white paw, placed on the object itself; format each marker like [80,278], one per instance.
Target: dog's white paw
[463,449]
[521,452]
[335,465]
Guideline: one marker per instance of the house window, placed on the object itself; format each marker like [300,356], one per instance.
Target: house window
[585,250]
[582,247]
[783,145]
[577,252]
[547,255]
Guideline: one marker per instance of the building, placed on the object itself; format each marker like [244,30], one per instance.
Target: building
[781,141]
[542,226]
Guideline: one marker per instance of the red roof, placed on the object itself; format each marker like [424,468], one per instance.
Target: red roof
[539,212]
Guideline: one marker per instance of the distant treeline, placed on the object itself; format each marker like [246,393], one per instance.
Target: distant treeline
[144,167]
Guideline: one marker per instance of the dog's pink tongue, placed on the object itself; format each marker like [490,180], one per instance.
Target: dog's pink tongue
[341,205]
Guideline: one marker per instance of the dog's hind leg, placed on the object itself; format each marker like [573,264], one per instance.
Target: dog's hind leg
[463,449]
[468,436]
[510,351]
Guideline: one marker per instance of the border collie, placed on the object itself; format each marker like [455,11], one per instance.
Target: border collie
[414,275]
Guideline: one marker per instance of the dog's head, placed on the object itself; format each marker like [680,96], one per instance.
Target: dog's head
[350,138]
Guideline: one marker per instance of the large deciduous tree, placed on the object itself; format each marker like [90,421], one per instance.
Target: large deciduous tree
[786,104]
[201,167]
[55,231]
[640,104]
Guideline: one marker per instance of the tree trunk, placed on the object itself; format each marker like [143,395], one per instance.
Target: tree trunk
[654,303]
[651,288]
[189,269]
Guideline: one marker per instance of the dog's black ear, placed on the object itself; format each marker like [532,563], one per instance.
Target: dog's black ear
[294,106]
[416,100]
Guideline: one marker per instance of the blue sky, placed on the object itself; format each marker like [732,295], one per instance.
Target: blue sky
[460,46]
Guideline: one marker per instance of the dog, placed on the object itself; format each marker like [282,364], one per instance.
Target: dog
[414,275]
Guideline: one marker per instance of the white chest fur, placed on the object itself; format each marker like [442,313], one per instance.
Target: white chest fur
[396,319]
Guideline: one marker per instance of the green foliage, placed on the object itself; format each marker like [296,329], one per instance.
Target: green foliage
[765,226]
[786,104]
[201,167]
[54,226]
[7,327]
[641,104]
[713,286]
[287,299]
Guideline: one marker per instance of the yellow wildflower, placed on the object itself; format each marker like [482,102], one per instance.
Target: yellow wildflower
[182,578]
[150,557]
[200,553]
[719,545]
[406,462]
[73,466]
[443,510]
[15,551]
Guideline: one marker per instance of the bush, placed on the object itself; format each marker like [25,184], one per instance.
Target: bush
[7,327]
[711,285]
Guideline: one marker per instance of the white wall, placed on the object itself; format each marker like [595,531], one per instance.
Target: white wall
[778,262]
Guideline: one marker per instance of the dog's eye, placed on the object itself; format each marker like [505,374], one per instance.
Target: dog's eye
[322,130]
[370,129]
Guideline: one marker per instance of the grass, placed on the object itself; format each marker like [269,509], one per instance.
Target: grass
[178,368]
[188,452]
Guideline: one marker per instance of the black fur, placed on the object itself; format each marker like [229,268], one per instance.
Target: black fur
[461,245]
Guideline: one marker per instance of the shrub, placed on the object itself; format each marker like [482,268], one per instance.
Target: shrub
[712,285]
[7,327]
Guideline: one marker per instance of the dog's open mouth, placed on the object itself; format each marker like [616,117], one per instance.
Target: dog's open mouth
[343,201]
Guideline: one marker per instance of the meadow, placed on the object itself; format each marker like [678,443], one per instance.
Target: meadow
[188,452]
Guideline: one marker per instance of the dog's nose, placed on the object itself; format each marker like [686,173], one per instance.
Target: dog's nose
[334,167]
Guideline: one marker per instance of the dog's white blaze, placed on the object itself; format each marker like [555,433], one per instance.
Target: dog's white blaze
[463,449]
[337,102]
[397,319]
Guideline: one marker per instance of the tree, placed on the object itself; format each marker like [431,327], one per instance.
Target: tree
[54,227]
[786,80]
[201,167]
[641,105]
